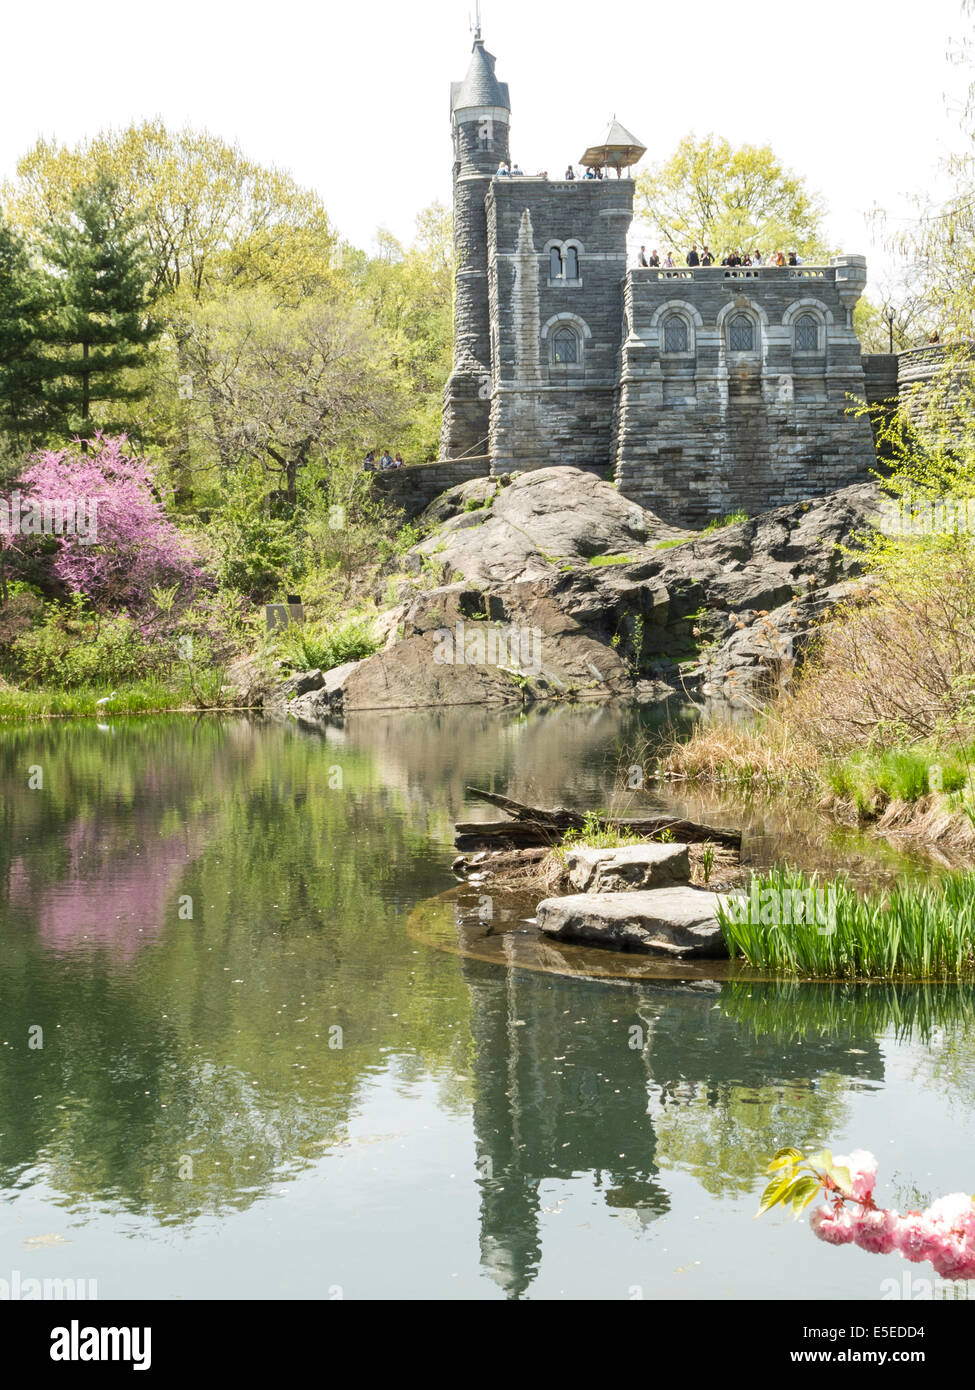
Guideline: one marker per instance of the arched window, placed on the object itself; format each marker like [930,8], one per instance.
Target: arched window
[555,263]
[565,347]
[571,263]
[675,334]
[741,334]
[807,334]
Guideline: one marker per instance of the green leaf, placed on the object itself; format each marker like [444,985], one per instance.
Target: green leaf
[843,1179]
[803,1192]
[774,1193]
[821,1160]
[785,1158]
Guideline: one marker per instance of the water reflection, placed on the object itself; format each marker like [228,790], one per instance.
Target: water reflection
[190,1060]
[573,1077]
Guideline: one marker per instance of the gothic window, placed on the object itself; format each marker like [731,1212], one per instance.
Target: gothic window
[571,263]
[807,334]
[741,334]
[675,335]
[565,347]
[555,264]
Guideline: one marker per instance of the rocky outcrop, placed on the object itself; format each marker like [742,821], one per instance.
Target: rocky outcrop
[676,922]
[551,585]
[629,868]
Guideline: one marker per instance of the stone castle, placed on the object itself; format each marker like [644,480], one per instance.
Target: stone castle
[700,391]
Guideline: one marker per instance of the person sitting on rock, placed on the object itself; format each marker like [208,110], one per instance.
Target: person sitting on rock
[369,463]
[387,459]
[398,461]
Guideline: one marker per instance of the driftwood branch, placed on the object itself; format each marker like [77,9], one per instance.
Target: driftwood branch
[532,825]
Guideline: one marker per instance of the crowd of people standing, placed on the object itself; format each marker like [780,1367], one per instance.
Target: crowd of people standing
[706,257]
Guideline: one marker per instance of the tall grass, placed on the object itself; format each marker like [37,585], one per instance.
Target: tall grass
[910,932]
[872,779]
[766,753]
[146,697]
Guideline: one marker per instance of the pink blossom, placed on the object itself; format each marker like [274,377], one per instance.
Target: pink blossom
[914,1237]
[953,1258]
[863,1171]
[876,1231]
[834,1225]
[137,547]
[944,1235]
[956,1212]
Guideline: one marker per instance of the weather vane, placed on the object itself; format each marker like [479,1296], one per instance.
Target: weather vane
[476,26]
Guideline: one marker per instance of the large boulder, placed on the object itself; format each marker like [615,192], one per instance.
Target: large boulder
[676,922]
[545,521]
[555,586]
[629,868]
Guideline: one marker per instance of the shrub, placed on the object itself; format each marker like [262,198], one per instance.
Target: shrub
[138,546]
[73,648]
[321,646]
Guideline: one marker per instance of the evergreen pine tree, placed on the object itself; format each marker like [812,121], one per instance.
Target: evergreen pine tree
[100,327]
[23,302]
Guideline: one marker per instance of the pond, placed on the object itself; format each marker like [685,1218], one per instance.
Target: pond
[232,1065]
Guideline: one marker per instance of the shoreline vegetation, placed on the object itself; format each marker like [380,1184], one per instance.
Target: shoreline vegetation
[878,721]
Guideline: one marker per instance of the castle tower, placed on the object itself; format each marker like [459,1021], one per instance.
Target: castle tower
[479,111]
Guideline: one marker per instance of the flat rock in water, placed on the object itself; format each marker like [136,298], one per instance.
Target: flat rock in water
[675,922]
[628,868]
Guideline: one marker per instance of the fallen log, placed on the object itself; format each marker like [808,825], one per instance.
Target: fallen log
[533,825]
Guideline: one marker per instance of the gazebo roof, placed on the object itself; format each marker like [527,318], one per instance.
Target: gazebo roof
[617,150]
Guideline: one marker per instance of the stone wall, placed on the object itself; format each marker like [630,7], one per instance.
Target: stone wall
[880,376]
[414,488]
[713,421]
[546,411]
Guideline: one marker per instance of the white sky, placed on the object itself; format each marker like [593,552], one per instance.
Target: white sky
[354,99]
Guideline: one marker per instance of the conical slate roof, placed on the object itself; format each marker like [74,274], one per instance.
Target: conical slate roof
[480,87]
[619,149]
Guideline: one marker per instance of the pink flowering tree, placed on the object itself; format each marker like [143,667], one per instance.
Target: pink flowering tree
[943,1234]
[124,545]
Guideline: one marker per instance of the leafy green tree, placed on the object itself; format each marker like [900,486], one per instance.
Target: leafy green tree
[282,388]
[100,327]
[713,193]
[210,215]
[408,294]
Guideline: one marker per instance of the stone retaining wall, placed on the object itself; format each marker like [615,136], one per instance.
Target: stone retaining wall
[414,488]
[710,423]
